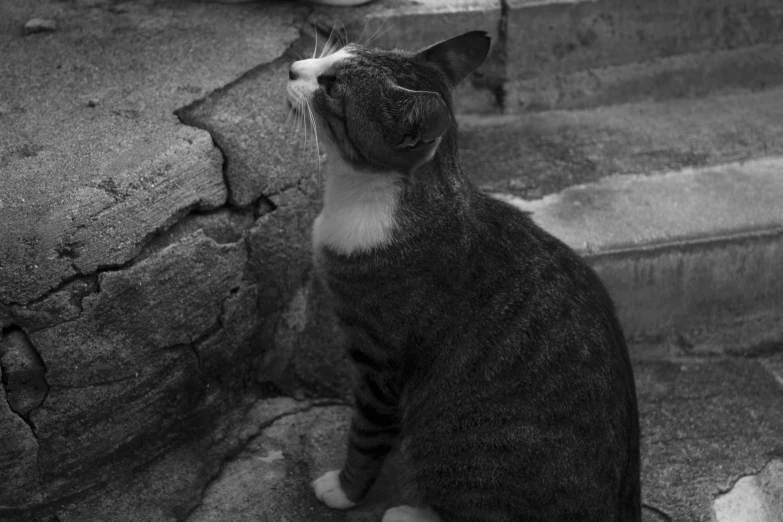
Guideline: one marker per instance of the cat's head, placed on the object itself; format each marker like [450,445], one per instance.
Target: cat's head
[385,110]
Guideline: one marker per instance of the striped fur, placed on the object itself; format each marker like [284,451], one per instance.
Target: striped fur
[484,347]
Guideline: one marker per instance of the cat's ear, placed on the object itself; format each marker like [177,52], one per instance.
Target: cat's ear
[423,118]
[459,56]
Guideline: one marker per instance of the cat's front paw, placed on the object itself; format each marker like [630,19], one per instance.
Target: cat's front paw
[329,491]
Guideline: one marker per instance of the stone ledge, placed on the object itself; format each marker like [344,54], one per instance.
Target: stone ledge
[559,37]
[679,76]
[536,154]
[692,254]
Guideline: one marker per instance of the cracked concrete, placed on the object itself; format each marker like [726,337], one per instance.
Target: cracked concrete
[92,250]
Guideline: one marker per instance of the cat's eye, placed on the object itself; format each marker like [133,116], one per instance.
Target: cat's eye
[327,81]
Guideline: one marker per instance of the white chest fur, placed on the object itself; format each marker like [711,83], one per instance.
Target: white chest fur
[359,209]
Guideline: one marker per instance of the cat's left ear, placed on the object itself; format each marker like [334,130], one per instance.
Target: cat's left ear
[459,56]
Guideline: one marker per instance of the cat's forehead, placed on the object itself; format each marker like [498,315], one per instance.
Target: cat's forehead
[314,67]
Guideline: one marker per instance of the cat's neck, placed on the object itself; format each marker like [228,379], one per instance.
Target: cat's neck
[359,210]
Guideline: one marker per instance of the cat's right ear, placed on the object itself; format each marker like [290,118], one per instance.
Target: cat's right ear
[422,120]
[459,56]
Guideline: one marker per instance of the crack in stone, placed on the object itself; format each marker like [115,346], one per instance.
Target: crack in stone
[723,491]
[183,114]
[657,511]
[26,417]
[240,447]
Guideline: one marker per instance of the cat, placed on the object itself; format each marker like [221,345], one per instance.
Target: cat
[484,346]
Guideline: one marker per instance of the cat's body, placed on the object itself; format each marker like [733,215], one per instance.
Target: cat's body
[483,343]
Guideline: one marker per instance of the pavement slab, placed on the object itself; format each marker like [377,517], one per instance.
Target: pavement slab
[705,424]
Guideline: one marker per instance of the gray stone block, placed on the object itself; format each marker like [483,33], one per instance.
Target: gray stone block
[558,37]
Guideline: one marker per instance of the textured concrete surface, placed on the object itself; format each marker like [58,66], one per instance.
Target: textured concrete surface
[705,425]
[621,212]
[691,254]
[553,36]
[679,76]
[537,154]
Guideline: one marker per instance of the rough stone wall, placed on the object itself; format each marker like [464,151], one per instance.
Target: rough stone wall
[152,274]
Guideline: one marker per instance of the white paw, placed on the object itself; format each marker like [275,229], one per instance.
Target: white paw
[328,490]
[410,514]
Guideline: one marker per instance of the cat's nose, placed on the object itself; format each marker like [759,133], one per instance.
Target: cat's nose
[293,74]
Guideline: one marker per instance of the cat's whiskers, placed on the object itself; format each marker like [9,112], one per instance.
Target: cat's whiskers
[315,47]
[374,37]
[328,42]
[288,118]
[304,123]
[317,145]
[344,36]
[366,24]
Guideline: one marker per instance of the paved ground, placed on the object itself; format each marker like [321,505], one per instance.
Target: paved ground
[712,451]
[94,163]
[706,424]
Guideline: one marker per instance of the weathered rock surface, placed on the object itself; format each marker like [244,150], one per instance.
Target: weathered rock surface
[170,487]
[128,317]
[252,125]
[126,367]
[267,156]
[72,202]
[23,373]
[18,458]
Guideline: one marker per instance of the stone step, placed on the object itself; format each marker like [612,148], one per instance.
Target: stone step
[676,204]
[580,53]
[536,154]
[691,257]
[709,431]
[679,76]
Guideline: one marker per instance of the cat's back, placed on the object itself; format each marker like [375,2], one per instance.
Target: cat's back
[533,384]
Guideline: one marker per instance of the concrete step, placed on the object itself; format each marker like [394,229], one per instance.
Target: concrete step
[580,53]
[533,155]
[676,204]
[710,430]
[691,257]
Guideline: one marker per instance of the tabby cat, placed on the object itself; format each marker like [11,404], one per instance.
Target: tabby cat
[484,346]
